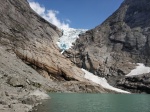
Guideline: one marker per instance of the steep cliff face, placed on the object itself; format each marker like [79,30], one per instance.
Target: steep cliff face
[124,37]
[25,36]
[32,38]
[111,48]
[30,59]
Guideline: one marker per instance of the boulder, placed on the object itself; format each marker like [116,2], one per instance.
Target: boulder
[17,82]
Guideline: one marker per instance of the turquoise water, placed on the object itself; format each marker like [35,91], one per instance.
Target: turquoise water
[62,102]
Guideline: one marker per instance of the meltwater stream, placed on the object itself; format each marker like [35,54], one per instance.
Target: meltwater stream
[75,102]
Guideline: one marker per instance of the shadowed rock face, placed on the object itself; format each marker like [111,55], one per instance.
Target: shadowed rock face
[137,14]
[110,48]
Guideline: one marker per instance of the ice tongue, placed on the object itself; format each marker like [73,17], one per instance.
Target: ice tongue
[69,36]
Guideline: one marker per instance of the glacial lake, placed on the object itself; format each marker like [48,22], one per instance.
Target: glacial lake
[75,102]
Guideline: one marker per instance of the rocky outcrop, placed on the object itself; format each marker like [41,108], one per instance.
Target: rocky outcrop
[136,84]
[110,49]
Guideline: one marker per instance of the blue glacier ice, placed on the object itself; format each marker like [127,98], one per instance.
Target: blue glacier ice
[69,36]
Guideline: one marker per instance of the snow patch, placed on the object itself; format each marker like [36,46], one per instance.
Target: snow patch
[39,94]
[140,69]
[69,36]
[101,81]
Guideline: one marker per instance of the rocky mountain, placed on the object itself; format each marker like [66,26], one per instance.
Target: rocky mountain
[30,61]
[112,49]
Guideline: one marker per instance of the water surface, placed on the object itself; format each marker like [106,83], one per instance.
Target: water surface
[62,102]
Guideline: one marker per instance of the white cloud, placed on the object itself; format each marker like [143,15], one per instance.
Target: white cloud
[68,20]
[37,8]
[49,15]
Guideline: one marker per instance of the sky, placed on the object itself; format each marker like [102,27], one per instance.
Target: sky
[79,14]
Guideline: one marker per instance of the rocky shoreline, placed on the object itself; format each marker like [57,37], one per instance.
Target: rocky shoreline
[21,101]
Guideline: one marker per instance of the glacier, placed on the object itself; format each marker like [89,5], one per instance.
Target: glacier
[69,36]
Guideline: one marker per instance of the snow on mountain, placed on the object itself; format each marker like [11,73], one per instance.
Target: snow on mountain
[69,36]
[140,69]
[101,81]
